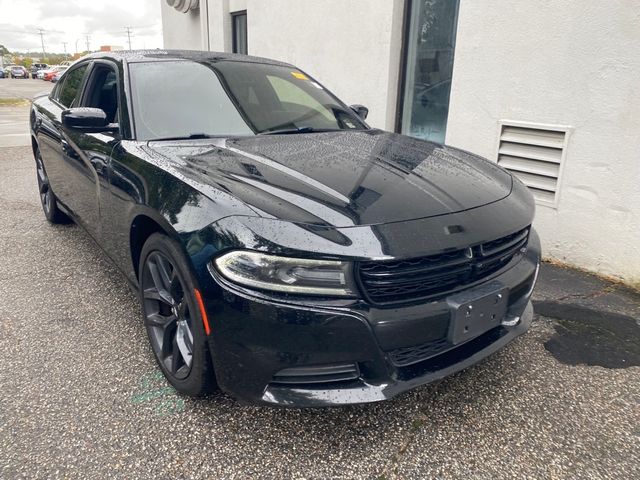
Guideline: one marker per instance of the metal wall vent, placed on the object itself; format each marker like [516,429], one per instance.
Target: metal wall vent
[535,155]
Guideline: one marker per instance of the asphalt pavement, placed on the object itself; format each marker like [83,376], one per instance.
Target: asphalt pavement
[14,113]
[81,396]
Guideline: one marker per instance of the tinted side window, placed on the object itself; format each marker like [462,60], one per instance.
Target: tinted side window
[102,91]
[72,84]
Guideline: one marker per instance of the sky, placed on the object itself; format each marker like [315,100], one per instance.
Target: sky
[71,20]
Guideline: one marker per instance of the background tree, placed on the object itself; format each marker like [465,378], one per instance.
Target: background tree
[25,62]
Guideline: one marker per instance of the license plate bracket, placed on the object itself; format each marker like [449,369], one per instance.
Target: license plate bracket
[475,311]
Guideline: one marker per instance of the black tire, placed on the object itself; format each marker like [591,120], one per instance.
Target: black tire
[172,317]
[48,200]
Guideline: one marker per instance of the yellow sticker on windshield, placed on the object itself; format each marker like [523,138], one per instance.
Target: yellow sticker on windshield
[300,75]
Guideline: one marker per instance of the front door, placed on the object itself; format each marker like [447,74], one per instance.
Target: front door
[89,154]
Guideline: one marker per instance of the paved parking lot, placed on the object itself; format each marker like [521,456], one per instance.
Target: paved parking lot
[14,115]
[81,397]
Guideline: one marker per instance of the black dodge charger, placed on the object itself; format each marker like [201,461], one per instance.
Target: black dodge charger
[282,249]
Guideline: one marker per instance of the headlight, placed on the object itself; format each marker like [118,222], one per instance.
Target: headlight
[283,274]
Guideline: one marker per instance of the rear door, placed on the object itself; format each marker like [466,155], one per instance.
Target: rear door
[50,135]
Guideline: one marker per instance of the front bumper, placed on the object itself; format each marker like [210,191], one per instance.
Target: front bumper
[257,341]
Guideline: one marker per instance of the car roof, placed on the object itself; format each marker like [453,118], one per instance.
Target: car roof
[158,55]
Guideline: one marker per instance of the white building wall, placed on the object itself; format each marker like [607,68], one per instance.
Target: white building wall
[346,45]
[561,62]
[181,30]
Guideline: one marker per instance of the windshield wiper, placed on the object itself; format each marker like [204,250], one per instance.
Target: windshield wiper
[288,131]
[193,136]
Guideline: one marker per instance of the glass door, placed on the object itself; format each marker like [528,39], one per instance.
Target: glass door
[428,65]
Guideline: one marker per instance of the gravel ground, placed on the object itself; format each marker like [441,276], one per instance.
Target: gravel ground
[81,397]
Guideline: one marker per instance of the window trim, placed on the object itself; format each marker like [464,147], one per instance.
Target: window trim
[125,119]
[234,42]
[85,91]
[55,89]
[63,81]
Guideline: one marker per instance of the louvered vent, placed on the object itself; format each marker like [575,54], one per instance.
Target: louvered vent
[534,155]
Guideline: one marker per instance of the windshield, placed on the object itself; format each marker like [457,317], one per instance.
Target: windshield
[181,99]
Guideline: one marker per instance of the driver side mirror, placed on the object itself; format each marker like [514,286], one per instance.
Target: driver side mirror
[87,119]
[360,110]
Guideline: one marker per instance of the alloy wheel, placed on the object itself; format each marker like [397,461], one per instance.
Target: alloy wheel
[167,315]
[43,186]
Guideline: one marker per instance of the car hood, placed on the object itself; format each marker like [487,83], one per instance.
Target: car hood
[341,179]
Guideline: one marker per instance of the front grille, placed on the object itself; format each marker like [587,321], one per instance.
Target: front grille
[438,275]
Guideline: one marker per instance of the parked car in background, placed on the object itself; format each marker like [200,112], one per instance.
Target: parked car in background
[279,245]
[35,67]
[7,70]
[49,75]
[42,72]
[57,76]
[1,73]
[18,71]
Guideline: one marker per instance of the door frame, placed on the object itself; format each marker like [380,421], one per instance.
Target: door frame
[404,52]
[402,80]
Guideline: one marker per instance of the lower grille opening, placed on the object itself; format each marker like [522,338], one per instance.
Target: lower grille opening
[401,357]
[318,374]
[452,356]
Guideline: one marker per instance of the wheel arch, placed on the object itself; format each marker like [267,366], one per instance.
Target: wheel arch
[143,225]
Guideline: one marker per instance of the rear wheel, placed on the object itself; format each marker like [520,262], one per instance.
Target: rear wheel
[47,198]
[172,316]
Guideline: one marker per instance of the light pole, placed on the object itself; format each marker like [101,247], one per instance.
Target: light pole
[41,33]
[128,30]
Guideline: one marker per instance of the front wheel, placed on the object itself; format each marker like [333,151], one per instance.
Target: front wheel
[172,316]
